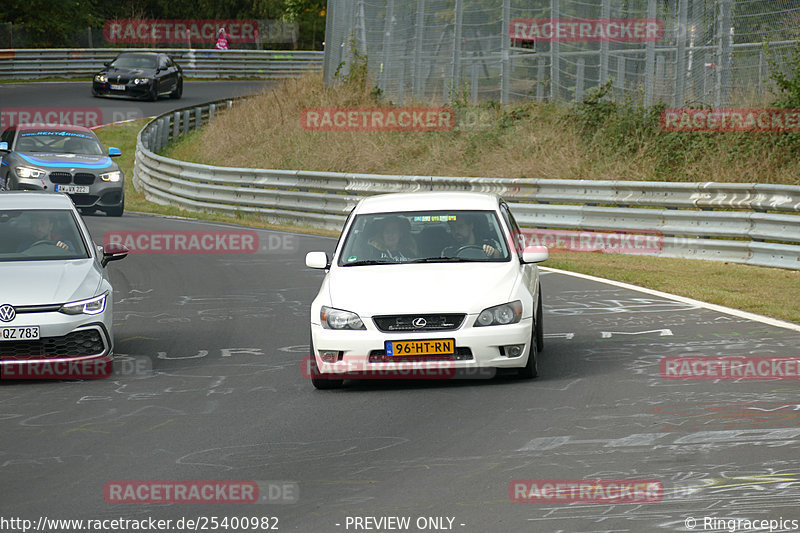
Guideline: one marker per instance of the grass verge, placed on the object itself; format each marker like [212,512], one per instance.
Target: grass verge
[123,136]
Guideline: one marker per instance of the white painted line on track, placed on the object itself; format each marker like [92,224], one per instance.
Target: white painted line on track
[713,307]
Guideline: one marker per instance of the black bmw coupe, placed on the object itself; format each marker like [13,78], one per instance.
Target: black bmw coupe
[145,75]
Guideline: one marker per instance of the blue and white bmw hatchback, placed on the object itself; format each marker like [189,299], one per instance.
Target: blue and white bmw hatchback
[426,281]
[55,296]
[63,158]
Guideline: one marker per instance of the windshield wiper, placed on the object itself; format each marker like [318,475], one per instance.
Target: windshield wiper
[370,262]
[442,260]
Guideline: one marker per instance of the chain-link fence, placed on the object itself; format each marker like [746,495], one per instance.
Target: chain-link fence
[678,52]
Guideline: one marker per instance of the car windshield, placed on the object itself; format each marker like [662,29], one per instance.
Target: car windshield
[134,61]
[58,142]
[40,235]
[424,237]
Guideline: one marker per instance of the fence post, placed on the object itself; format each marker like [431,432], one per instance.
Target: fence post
[621,74]
[505,65]
[579,79]
[680,59]
[473,96]
[540,80]
[387,40]
[605,14]
[724,61]
[554,58]
[418,70]
[455,78]
[650,59]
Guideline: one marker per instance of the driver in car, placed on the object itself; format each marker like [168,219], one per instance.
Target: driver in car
[43,229]
[462,230]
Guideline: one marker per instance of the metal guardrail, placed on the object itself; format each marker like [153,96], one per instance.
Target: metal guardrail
[84,62]
[756,224]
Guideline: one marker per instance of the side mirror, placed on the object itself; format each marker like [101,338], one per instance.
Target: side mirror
[107,64]
[535,254]
[317,260]
[113,252]
[114,152]
[4,146]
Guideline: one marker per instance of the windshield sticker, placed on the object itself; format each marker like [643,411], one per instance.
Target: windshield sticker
[57,133]
[442,218]
[352,258]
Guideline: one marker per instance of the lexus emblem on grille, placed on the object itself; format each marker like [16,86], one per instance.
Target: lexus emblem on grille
[419,322]
[7,313]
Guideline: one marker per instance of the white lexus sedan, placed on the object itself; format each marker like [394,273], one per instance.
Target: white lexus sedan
[55,296]
[426,285]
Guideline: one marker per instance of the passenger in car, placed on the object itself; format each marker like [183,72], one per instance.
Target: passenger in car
[394,241]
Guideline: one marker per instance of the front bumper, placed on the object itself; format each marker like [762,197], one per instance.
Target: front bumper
[130,90]
[61,338]
[100,193]
[476,348]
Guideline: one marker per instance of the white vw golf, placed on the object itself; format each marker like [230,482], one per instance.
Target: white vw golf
[425,285]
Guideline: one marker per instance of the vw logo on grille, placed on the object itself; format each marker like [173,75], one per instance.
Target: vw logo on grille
[7,313]
[419,322]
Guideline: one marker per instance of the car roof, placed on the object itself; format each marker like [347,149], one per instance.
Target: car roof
[428,201]
[141,54]
[53,127]
[11,200]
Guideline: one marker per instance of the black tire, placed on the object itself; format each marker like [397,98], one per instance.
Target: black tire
[116,211]
[539,323]
[152,96]
[178,92]
[321,383]
[531,369]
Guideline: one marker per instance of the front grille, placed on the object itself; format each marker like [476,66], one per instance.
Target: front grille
[379,356]
[84,200]
[82,178]
[61,177]
[75,344]
[433,322]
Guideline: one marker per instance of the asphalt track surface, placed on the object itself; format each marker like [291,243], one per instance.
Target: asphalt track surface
[74,99]
[208,385]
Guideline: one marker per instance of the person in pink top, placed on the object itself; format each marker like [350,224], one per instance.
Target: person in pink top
[222,39]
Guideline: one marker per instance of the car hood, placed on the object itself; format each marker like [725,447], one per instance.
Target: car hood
[67,160]
[48,282]
[129,72]
[416,288]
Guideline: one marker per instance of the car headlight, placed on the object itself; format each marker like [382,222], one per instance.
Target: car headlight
[115,176]
[337,319]
[28,172]
[141,81]
[101,78]
[500,315]
[92,306]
